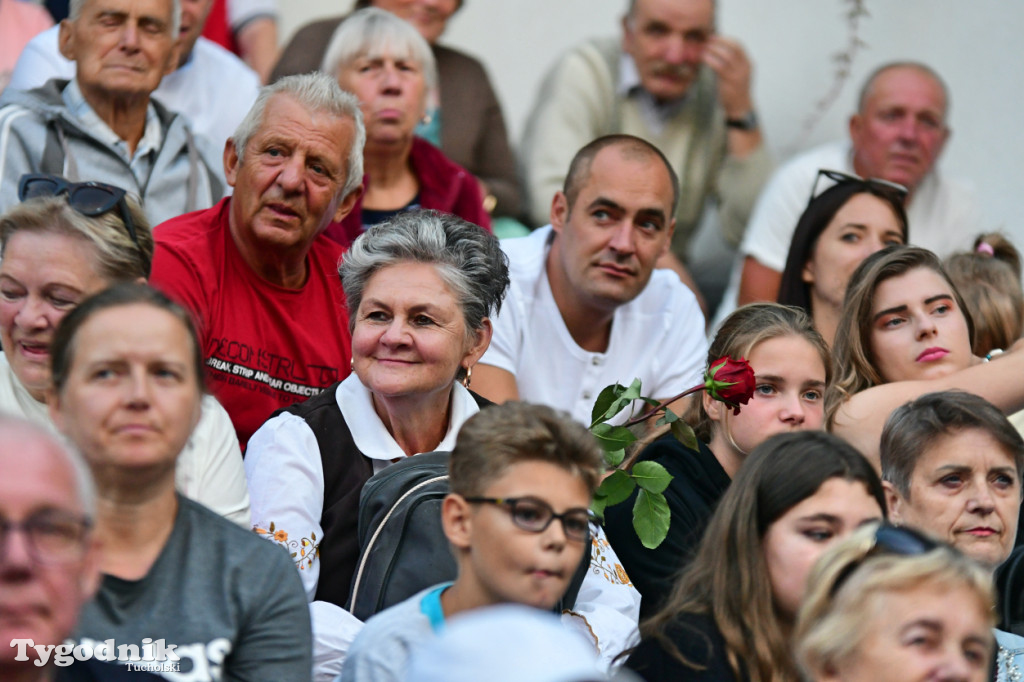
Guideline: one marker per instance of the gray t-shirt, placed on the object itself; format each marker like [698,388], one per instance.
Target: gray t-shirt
[230,602]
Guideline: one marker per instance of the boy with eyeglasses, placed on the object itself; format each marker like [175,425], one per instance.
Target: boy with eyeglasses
[522,477]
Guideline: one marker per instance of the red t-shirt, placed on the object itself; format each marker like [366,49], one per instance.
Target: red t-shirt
[266,347]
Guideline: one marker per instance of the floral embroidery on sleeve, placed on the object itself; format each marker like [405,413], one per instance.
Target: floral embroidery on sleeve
[602,564]
[304,551]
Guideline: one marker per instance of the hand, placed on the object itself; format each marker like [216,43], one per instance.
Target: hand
[729,61]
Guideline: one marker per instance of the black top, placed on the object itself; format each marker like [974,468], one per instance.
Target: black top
[698,482]
[698,640]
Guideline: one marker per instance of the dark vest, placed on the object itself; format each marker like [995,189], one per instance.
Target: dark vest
[346,470]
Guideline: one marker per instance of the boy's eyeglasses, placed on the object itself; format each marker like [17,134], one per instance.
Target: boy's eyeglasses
[892,540]
[88,198]
[535,515]
[51,537]
[843,178]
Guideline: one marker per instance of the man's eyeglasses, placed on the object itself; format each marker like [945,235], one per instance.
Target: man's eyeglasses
[88,198]
[51,537]
[535,515]
[892,188]
[892,540]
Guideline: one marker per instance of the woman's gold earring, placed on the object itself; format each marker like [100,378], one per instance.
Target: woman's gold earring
[352,365]
[466,380]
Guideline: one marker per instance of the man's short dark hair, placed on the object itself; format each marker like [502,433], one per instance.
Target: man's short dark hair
[913,428]
[631,147]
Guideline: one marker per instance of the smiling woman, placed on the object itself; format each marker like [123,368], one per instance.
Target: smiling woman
[66,242]
[420,289]
[904,331]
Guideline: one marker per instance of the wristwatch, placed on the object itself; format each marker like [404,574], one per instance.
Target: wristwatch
[747,122]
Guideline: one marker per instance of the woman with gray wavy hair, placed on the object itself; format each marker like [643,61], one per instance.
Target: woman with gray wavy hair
[420,290]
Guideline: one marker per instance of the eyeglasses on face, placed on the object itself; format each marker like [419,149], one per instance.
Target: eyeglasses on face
[88,198]
[51,537]
[535,515]
[894,189]
[888,540]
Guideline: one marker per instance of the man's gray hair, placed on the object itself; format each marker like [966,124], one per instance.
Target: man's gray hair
[869,83]
[372,32]
[467,258]
[318,93]
[75,10]
[17,431]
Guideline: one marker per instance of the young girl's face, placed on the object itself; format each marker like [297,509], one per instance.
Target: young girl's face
[797,538]
[917,329]
[788,396]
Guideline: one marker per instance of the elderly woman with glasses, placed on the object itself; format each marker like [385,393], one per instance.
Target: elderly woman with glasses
[841,227]
[890,605]
[64,242]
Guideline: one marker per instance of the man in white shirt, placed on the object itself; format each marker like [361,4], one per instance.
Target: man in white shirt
[897,134]
[585,307]
[213,88]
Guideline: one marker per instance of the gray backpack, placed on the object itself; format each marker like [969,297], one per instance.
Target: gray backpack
[403,548]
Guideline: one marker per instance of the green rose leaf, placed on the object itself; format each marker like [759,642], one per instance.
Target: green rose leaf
[651,518]
[604,403]
[651,476]
[616,488]
[613,438]
[614,457]
[597,505]
[684,434]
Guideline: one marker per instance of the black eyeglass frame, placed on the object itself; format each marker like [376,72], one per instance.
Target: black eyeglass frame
[510,503]
[889,540]
[56,186]
[839,177]
[31,527]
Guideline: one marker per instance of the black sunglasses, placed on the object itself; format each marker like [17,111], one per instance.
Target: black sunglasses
[88,198]
[892,540]
[535,515]
[879,184]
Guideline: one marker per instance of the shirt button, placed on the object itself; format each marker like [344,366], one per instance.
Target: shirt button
[586,395]
[595,361]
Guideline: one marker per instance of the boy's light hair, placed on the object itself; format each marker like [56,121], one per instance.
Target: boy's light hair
[497,437]
[835,619]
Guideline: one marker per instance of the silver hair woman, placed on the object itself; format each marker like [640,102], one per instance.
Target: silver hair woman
[58,247]
[888,604]
[420,289]
[390,68]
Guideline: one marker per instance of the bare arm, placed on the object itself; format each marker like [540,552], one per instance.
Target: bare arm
[758,282]
[861,419]
[495,384]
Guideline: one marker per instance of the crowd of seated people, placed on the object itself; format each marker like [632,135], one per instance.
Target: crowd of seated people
[239,321]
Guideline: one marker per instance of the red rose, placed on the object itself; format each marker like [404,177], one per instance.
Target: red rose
[730,381]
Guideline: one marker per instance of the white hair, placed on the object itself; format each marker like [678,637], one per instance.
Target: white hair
[371,32]
[318,93]
[18,431]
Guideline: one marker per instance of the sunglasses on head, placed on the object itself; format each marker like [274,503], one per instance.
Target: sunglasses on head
[889,540]
[88,198]
[843,178]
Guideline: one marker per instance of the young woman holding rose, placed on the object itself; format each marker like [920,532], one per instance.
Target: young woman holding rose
[731,614]
[905,332]
[791,369]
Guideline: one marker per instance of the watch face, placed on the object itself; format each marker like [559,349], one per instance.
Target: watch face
[748,122]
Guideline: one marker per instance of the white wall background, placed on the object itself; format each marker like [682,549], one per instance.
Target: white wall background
[975,44]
